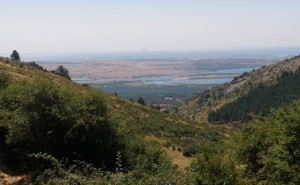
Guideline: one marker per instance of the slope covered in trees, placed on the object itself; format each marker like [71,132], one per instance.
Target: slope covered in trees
[260,100]
[63,132]
[264,151]
[249,93]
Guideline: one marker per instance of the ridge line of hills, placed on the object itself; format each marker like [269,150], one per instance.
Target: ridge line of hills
[216,104]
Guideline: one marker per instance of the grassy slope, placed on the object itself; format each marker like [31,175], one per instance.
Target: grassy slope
[197,108]
[150,122]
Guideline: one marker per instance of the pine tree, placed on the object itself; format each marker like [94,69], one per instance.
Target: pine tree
[141,101]
[15,55]
[63,72]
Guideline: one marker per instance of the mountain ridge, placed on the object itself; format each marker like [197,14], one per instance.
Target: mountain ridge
[199,107]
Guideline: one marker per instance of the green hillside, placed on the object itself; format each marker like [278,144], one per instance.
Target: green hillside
[48,122]
[259,101]
[264,151]
[249,94]
[54,131]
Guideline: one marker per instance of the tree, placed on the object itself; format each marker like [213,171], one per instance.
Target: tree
[15,55]
[270,152]
[141,101]
[35,65]
[212,165]
[63,72]
[42,117]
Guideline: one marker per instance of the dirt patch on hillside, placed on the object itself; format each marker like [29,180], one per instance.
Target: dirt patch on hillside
[6,179]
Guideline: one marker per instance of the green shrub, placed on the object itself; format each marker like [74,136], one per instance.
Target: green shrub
[40,117]
[269,148]
[212,166]
[4,79]
[189,151]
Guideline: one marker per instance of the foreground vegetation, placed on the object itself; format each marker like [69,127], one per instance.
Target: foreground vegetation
[264,151]
[48,122]
[62,133]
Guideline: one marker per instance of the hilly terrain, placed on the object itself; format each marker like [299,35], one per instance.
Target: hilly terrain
[54,131]
[250,94]
[48,116]
[146,120]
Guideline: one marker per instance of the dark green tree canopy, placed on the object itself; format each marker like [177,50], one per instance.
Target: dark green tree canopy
[15,55]
[63,72]
[141,101]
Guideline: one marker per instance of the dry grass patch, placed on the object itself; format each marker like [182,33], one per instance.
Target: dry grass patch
[173,153]
[6,179]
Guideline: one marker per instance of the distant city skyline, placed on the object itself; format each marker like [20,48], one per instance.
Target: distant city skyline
[91,26]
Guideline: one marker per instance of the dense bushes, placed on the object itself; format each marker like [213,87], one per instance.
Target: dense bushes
[52,130]
[40,117]
[268,150]
[265,151]
[212,165]
[4,79]
[81,173]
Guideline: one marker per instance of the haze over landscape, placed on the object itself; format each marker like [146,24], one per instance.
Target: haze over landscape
[68,27]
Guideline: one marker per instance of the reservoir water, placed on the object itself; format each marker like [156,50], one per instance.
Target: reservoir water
[187,78]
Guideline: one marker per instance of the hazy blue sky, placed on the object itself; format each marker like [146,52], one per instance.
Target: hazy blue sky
[67,26]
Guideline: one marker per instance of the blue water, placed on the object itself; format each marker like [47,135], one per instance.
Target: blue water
[170,79]
[236,71]
[191,81]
